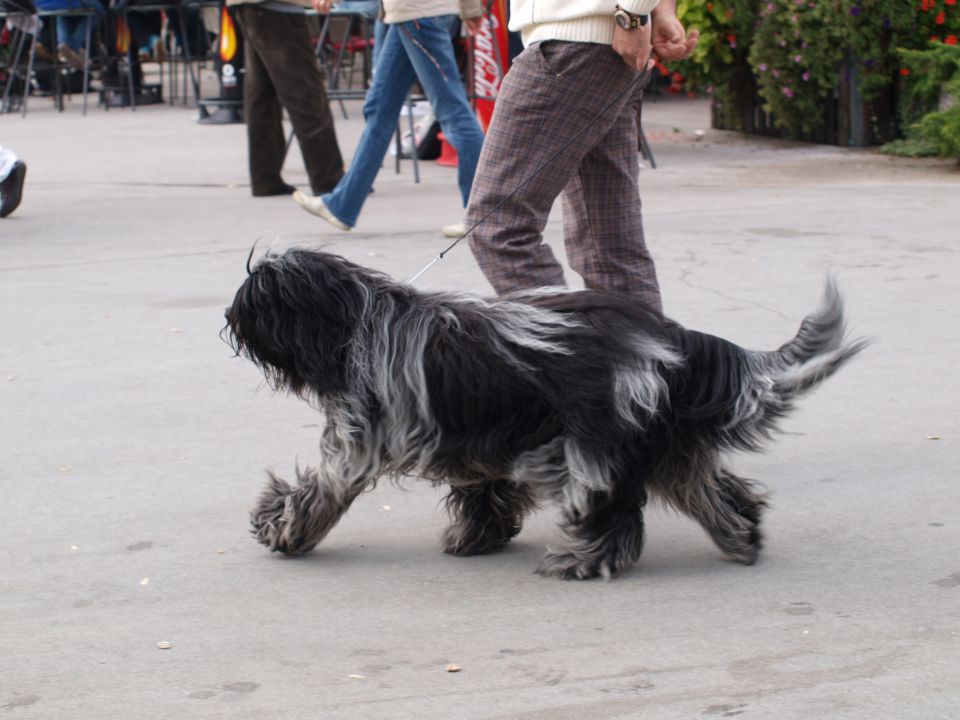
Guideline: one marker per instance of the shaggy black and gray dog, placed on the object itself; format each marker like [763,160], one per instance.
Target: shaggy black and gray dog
[587,399]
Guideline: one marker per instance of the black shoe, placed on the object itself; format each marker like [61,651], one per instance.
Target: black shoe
[11,189]
[283,189]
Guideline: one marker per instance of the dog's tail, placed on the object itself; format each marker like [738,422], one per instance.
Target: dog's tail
[819,349]
[775,379]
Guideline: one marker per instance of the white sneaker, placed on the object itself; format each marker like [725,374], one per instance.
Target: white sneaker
[316,206]
[454,231]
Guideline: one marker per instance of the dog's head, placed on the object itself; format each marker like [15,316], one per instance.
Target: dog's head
[294,316]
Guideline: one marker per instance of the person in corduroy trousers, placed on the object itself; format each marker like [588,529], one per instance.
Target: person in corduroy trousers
[567,111]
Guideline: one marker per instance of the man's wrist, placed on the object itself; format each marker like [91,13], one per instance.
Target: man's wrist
[627,20]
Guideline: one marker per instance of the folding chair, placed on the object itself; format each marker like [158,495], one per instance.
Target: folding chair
[194,54]
[122,9]
[23,13]
[337,39]
[24,8]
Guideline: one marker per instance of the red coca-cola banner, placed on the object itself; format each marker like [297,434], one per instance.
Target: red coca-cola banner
[490,58]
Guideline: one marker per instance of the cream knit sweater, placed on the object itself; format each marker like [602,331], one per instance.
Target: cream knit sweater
[573,20]
[395,11]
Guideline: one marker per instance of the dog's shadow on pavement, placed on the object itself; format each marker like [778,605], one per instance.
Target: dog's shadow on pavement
[665,562]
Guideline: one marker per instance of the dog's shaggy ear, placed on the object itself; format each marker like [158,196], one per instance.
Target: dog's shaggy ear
[294,316]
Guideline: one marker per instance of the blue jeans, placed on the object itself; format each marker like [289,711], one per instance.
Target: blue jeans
[72,31]
[419,49]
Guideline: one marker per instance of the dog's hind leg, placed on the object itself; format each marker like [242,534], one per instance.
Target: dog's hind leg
[485,516]
[730,509]
[606,533]
[293,519]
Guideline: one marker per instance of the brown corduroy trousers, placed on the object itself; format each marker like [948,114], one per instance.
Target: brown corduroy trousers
[554,92]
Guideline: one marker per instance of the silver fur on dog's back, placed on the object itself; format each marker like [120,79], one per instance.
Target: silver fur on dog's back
[586,399]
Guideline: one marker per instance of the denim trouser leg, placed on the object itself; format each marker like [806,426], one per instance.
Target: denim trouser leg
[72,31]
[422,49]
[430,49]
[391,82]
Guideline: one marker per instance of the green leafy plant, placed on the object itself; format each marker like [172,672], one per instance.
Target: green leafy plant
[796,55]
[930,105]
[719,65]
[716,50]
[873,31]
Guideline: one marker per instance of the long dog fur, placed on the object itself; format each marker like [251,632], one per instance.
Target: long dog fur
[587,399]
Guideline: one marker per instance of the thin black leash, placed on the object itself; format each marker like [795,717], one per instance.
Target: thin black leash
[522,185]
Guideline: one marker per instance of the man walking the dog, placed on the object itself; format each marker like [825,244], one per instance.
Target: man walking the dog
[567,111]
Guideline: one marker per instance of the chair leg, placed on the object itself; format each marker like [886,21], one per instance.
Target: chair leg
[57,80]
[170,86]
[133,97]
[86,61]
[645,148]
[181,18]
[338,68]
[21,42]
[399,144]
[413,142]
[26,88]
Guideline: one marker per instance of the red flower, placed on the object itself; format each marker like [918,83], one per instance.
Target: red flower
[950,2]
[904,71]
[941,18]
[951,40]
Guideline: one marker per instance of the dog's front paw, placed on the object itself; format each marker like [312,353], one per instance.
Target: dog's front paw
[743,546]
[274,519]
[569,566]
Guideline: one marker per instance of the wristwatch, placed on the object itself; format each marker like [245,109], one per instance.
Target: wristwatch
[629,21]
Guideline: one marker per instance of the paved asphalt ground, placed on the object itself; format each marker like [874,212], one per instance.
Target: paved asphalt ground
[132,445]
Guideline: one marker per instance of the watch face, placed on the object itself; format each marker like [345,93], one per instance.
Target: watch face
[622,19]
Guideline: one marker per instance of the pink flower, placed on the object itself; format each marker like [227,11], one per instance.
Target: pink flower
[775,73]
[806,75]
[788,92]
[798,58]
[762,67]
